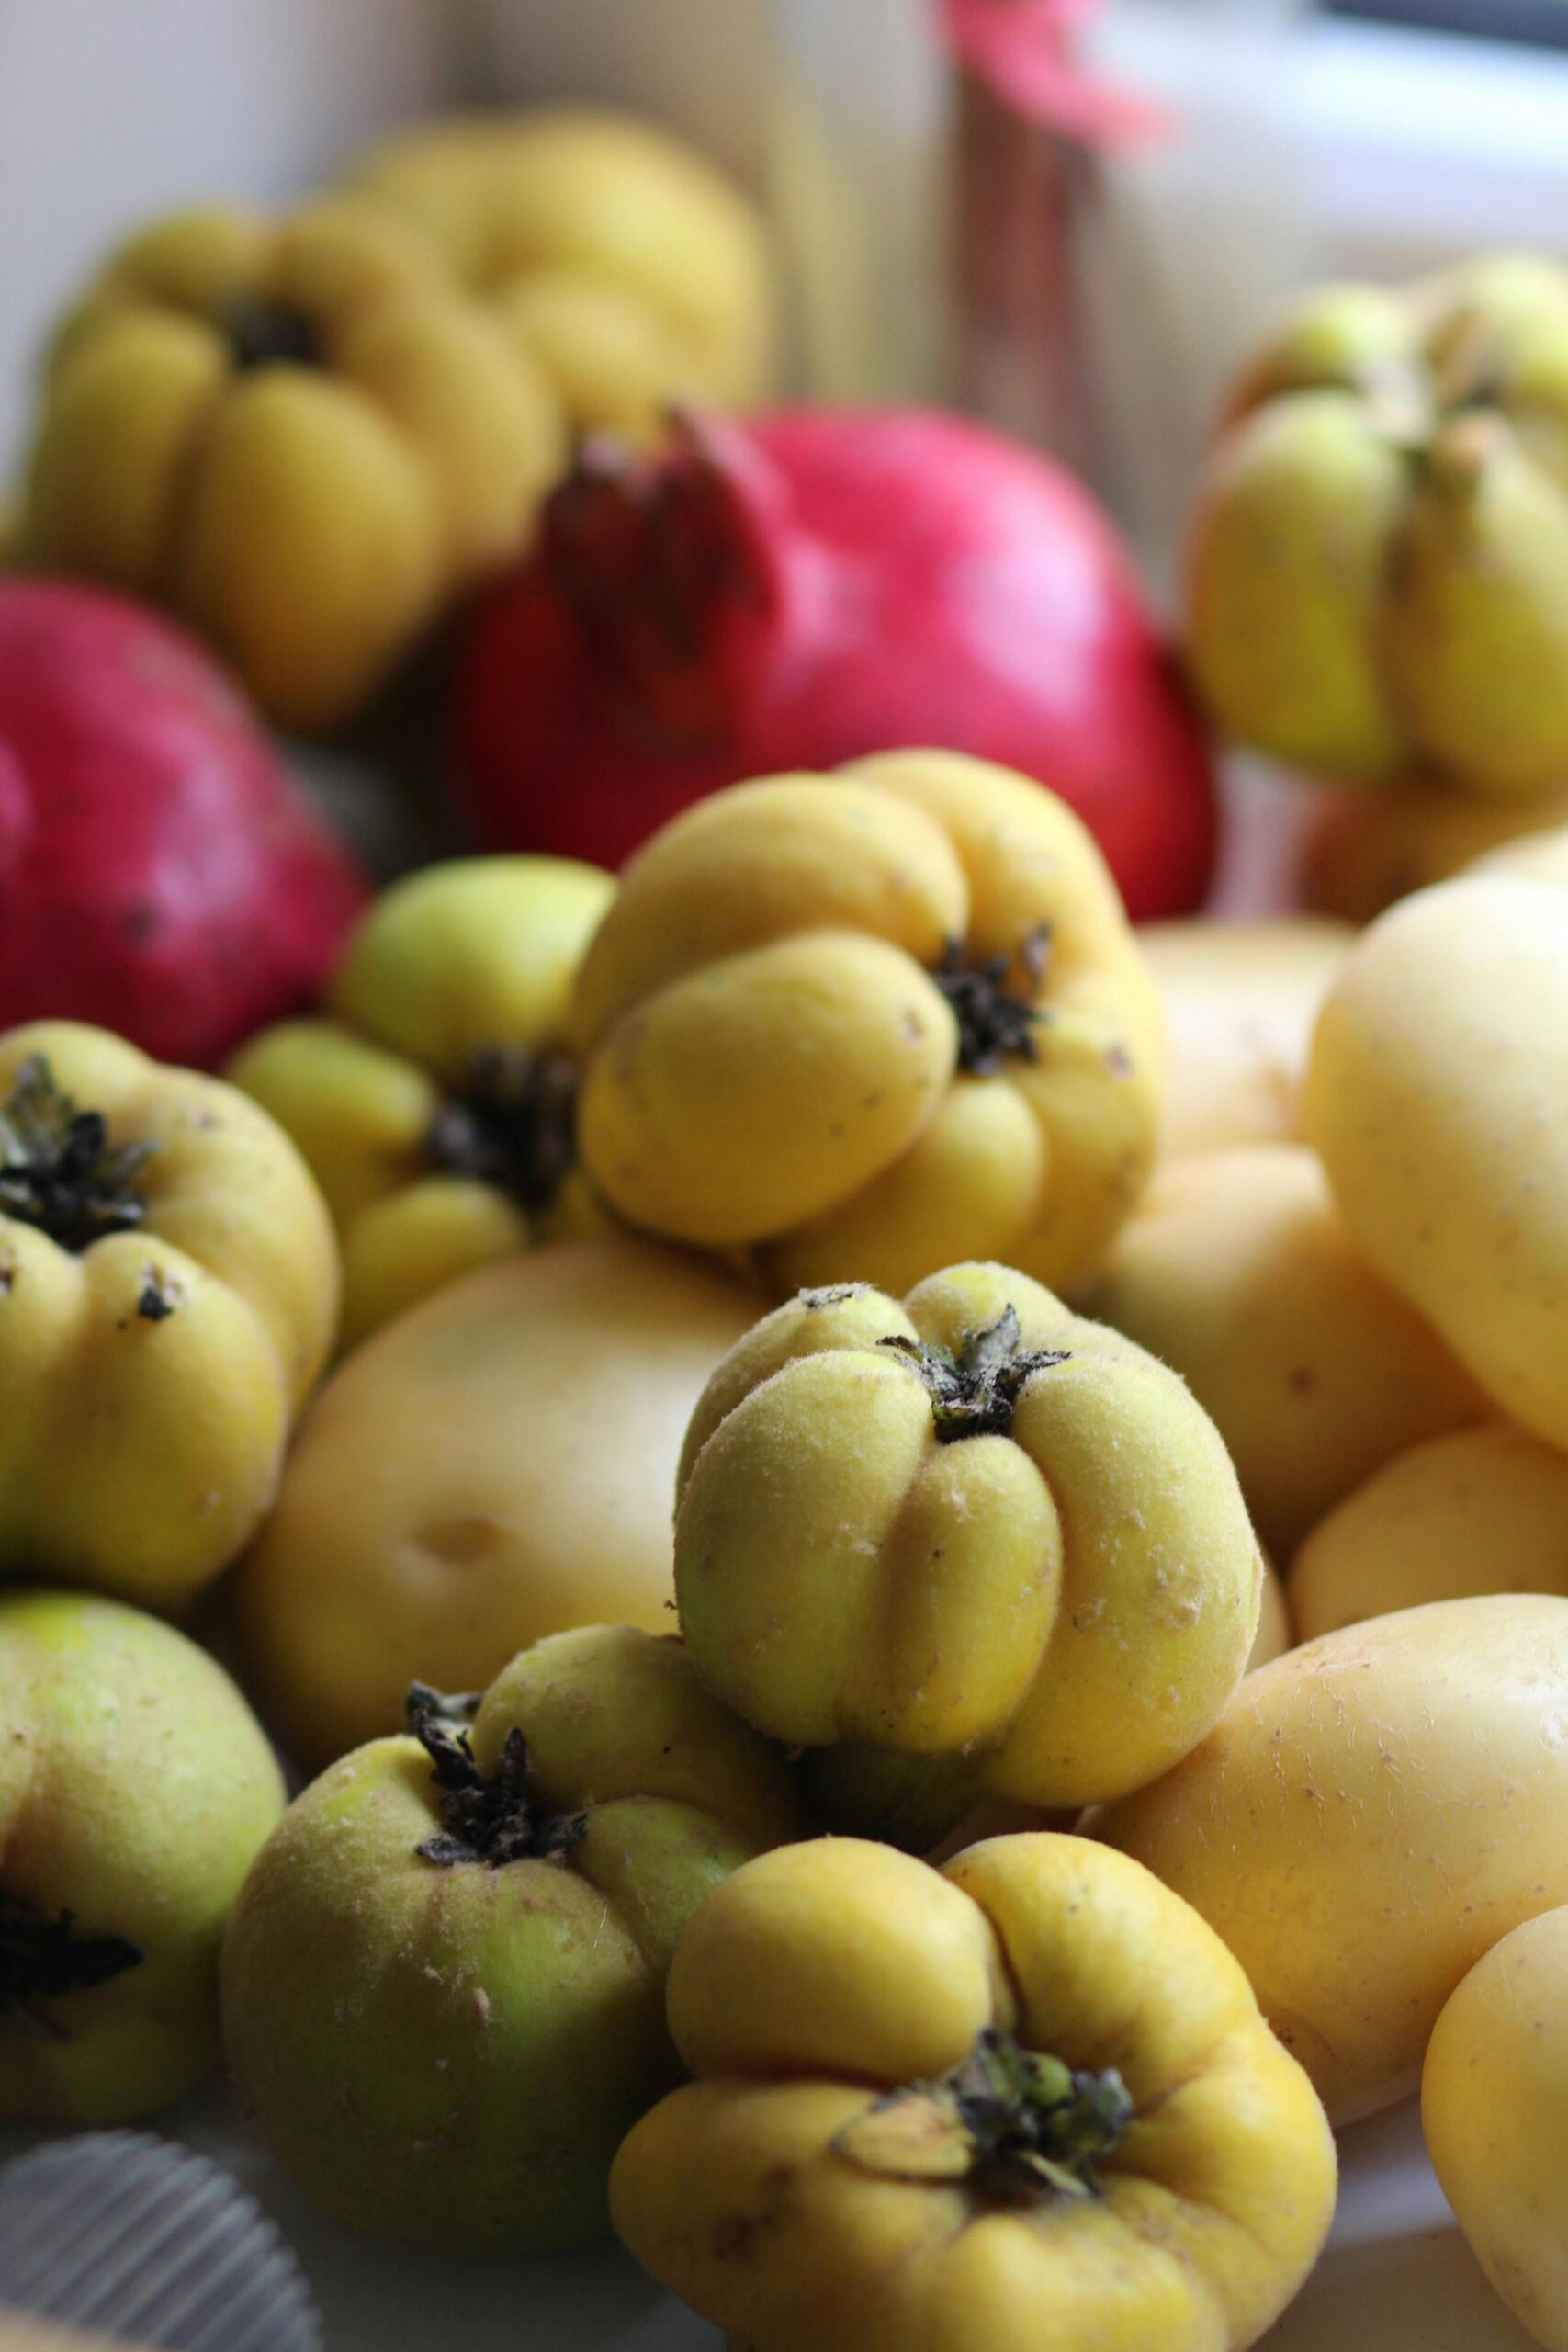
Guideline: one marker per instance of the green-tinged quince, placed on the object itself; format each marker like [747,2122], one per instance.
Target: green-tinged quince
[972,1544]
[135,1788]
[433,1100]
[444,1979]
[1379,574]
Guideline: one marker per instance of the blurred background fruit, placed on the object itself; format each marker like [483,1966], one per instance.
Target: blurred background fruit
[630,269]
[297,430]
[1378,573]
[161,872]
[808,586]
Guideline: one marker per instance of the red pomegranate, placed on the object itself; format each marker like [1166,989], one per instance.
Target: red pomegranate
[160,873]
[810,586]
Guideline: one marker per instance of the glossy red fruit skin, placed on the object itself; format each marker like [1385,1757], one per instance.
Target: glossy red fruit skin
[812,585]
[160,873]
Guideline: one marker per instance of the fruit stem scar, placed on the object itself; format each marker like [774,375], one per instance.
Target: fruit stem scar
[511,1123]
[262,334]
[43,1959]
[489,1817]
[59,1170]
[975,1392]
[1018,2123]
[993,1023]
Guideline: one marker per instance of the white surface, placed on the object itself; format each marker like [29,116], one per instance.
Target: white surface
[1397,2276]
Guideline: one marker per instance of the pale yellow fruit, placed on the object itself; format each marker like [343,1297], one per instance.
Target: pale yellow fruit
[1049,1599]
[1238,1271]
[1286,579]
[1346,337]
[1477,635]
[1275,1631]
[1480,1511]
[1371,1815]
[298,432]
[151,1362]
[497,1465]
[1240,1000]
[1539,857]
[1494,2110]
[868,1025]
[634,270]
[832,1975]
[1379,579]
[1437,1096]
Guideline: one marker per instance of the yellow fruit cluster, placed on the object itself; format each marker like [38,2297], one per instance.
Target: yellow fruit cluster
[308,434]
[836,1334]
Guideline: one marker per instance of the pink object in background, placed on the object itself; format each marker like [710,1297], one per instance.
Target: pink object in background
[160,873]
[1031,123]
[804,588]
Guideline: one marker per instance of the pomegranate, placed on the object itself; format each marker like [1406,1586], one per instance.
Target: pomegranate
[810,586]
[160,873]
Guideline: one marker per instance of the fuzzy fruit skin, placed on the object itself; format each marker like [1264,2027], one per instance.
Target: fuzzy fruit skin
[1064,1607]
[135,1787]
[450,964]
[1493,2099]
[160,870]
[1541,858]
[310,510]
[1240,1000]
[496,1465]
[1438,1099]
[1371,1813]
[449,2056]
[821,1977]
[1480,1511]
[1238,1271]
[630,270]
[769,1063]
[139,1454]
[829,583]
[1379,571]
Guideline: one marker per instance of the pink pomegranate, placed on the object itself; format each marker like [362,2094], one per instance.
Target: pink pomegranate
[160,873]
[814,584]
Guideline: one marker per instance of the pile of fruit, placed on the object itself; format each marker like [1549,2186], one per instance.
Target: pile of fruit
[767,1424]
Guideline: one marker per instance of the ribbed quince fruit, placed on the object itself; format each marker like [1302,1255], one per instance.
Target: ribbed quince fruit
[868,1023]
[628,268]
[1028,2101]
[443,1978]
[986,1544]
[299,432]
[435,1105]
[168,1297]
[1380,567]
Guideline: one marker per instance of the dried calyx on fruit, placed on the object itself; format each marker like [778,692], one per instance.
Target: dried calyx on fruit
[994,1021]
[265,334]
[58,1168]
[489,1817]
[510,1125]
[974,1391]
[43,1959]
[1016,2122]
